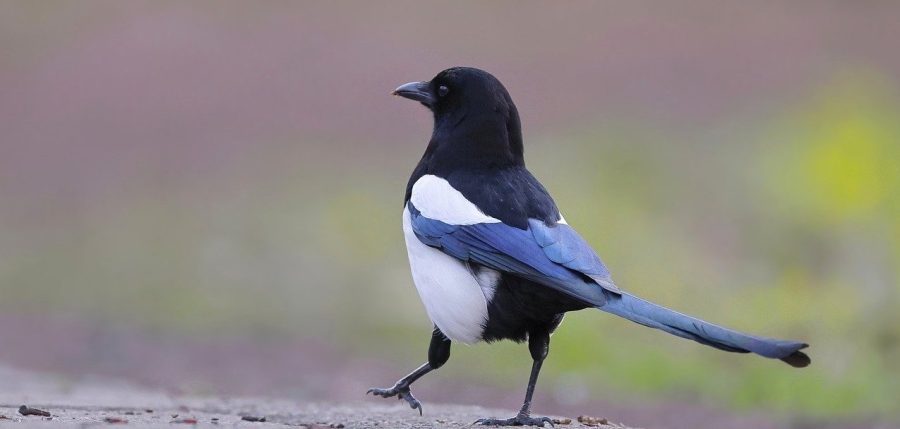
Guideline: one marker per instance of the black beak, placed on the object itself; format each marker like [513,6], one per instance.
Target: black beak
[419,91]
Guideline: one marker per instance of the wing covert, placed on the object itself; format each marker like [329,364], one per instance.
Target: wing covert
[562,244]
[542,254]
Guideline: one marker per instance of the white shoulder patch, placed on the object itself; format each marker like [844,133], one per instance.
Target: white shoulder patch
[438,200]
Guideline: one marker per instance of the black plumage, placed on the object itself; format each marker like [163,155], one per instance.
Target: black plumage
[491,256]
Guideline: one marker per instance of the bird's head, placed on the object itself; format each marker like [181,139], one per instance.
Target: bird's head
[473,114]
[455,88]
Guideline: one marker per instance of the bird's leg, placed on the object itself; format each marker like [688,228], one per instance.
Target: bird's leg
[401,388]
[539,346]
[438,353]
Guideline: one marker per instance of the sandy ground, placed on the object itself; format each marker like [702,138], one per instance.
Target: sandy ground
[100,402]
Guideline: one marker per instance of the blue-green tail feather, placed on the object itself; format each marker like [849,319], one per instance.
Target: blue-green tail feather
[656,316]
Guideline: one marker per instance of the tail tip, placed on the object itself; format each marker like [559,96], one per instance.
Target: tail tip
[798,359]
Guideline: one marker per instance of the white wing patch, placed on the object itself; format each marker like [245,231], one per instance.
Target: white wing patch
[453,297]
[438,200]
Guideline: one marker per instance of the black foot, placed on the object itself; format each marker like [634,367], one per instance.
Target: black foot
[401,392]
[519,420]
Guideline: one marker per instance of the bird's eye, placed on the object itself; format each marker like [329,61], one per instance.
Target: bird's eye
[443,90]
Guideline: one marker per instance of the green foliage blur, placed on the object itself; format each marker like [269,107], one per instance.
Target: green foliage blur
[780,218]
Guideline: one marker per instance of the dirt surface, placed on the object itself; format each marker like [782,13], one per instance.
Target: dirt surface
[101,402]
[263,413]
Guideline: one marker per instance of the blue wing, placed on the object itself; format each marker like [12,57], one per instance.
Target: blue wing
[555,256]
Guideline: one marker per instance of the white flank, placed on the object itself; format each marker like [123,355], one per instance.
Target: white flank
[438,200]
[453,297]
[488,280]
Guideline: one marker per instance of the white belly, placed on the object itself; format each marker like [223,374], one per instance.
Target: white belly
[453,297]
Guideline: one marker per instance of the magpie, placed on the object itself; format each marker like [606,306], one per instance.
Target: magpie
[491,256]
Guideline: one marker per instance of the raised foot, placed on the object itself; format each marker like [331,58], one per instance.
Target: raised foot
[401,392]
[519,420]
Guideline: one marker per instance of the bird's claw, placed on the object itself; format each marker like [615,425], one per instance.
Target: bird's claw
[401,392]
[519,420]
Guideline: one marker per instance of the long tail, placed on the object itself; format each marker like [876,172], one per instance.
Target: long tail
[655,316]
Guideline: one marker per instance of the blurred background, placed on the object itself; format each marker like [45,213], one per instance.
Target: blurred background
[205,197]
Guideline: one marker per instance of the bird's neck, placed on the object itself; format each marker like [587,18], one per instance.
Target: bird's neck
[468,141]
